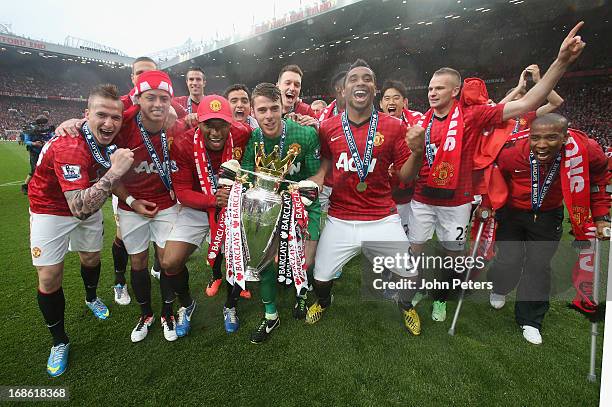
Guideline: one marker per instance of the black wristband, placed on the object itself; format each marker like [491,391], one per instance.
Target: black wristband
[605,218]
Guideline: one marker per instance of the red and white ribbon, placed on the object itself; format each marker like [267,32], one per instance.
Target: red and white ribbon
[235,255]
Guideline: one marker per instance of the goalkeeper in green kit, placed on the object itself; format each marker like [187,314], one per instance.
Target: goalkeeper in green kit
[288,135]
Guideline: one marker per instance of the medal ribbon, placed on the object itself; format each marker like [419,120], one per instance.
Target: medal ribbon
[361,165]
[537,195]
[212,177]
[428,149]
[95,150]
[163,170]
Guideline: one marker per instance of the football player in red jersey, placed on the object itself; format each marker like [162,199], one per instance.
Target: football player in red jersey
[196,83]
[239,97]
[290,84]
[120,255]
[139,66]
[73,179]
[550,166]
[215,141]
[149,180]
[444,192]
[361,209]
[394,101]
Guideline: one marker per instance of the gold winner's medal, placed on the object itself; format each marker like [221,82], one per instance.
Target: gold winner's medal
[362,186]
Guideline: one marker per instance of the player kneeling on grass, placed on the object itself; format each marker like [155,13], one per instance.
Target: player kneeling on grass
[73,178]
[362,144]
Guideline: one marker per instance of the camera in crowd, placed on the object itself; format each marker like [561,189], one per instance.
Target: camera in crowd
[38,130]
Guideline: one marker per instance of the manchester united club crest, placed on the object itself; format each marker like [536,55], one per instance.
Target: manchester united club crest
[237,153]
[378,139]
[443,173]
[522,121]
[36,252]
[579,214]
[296,148]
[215,105]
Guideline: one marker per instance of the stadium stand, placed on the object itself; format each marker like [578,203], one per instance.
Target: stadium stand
[328,42]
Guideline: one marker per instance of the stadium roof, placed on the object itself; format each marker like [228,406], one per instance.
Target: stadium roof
[74,47]
[461,28]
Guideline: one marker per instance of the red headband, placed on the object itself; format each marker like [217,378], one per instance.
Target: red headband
[153,80]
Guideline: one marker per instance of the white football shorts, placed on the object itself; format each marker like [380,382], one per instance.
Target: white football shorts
[449,222]
[138,231]
[52,236]
[341,240]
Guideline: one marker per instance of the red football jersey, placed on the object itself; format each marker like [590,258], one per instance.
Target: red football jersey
[512,126]
[389,148]
[402,193]
[304,108]
[142,180]
[64,164]
[329,112]
[186,180]
[513,161]
[184,102]
[475,118]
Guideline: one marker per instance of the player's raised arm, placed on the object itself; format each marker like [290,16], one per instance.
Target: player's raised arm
[570,50]
[554,100]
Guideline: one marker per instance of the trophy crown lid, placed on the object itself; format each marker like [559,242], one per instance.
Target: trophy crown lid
[272,163]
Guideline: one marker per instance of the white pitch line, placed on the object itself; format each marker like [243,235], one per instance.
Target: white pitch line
[11,183]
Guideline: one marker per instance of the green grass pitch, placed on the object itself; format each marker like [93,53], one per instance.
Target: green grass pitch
[357,355]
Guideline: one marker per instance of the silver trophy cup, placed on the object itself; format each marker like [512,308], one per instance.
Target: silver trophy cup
[261,206]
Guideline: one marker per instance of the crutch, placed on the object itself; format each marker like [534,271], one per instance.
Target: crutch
[484,215]
[592,377]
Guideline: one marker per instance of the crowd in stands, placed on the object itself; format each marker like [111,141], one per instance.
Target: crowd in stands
[587,105]
[16,112]
[40,86]
[588,109]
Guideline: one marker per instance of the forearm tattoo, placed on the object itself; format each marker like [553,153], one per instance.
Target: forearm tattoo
[85,202]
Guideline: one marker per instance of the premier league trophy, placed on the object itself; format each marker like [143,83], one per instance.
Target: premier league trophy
[261,208]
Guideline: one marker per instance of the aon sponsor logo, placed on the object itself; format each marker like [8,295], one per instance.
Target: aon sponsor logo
[295,168]
[348,164]
[149,168]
